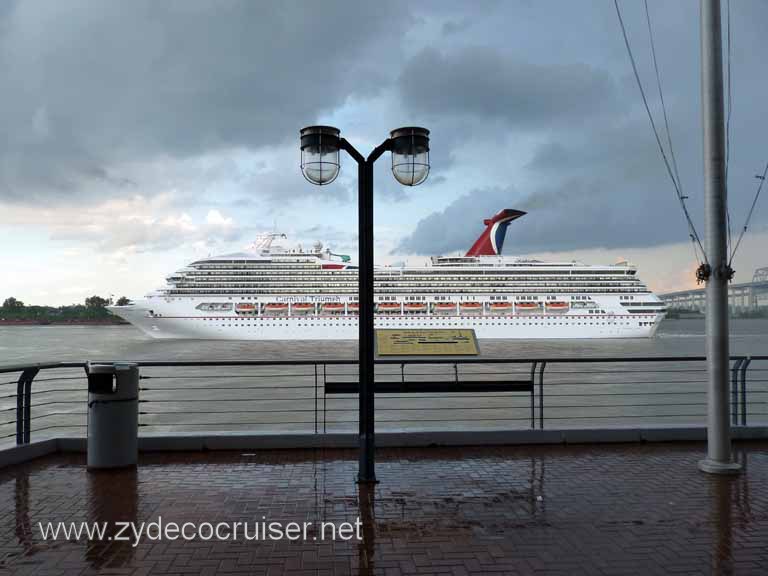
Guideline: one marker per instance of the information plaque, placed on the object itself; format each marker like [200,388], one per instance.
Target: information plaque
[426,342]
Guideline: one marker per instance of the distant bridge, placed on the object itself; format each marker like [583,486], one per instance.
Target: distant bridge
[741,297]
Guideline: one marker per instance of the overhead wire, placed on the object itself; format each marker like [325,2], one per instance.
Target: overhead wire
[749,214]
[728,117]
[661,97]
[666,124]
[670,170]
[734,248]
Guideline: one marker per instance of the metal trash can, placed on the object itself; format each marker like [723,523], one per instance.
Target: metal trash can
[113,415]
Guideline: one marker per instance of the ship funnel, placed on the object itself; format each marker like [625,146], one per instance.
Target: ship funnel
[491,240]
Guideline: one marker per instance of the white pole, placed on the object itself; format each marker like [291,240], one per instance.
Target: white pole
[718,459]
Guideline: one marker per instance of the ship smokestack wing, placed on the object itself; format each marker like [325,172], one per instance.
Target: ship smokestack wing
[491,240]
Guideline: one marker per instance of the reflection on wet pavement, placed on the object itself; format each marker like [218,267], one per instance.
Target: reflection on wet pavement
[112,497]
[642,509]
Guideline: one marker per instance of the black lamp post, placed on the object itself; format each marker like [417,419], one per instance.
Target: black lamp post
[320,165]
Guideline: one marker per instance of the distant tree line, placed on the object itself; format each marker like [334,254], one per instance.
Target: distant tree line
[93,310]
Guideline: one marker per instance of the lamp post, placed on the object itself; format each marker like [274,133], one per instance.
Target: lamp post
[320,165]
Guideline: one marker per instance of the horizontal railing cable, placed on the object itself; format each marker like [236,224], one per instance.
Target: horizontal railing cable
[49,414]
[470,392]
[208,400]
[195,388]
[229,376]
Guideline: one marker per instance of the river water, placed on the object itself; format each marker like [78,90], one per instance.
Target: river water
[20,344]
[290,399]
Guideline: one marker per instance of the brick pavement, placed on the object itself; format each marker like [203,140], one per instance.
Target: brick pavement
[610,509]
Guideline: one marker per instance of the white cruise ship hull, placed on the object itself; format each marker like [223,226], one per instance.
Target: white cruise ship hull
[169,325]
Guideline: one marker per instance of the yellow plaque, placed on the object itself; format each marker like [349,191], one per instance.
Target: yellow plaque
[432,342]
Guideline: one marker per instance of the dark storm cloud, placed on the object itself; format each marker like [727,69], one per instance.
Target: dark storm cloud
[87,85]
[457,226]
[486,82]
[455,26]
[596,178]
[90,86]
[619,169]
[604,190]
[572,216]
[597,188]
[575,214]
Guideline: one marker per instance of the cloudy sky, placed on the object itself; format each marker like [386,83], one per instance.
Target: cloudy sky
[136,136]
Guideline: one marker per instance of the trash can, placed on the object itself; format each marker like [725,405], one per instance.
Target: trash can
[113,415]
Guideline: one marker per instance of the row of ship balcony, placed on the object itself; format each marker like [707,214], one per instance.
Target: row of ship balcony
[337,291]
[397,271]
[410,288]
[447,284]
[387,308]
[308,279]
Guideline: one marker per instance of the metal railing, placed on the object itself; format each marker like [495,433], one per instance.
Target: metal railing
[320,396]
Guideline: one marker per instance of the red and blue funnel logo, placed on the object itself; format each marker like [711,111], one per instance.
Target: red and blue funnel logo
[492,239]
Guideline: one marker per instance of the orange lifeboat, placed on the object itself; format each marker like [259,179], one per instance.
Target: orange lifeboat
[353,308]
[302,308]
[388,307]
[415,307]
[275,308]
[245,307]
[471,307]
[444,307]
[501,307]
[334,308]
[557,306]
[527,306]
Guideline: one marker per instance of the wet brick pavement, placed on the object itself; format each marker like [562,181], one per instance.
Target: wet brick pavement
[608,509]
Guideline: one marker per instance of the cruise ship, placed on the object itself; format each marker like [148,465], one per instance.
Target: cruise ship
[274,293]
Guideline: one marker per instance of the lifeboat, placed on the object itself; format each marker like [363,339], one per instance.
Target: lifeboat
[444,308]
[333,308]
[527,306]
[353,308]
[501,307]
[414,307]
[275,308]
[245,308]
[557,306]
[388,307]
[471,307]
[302,308]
